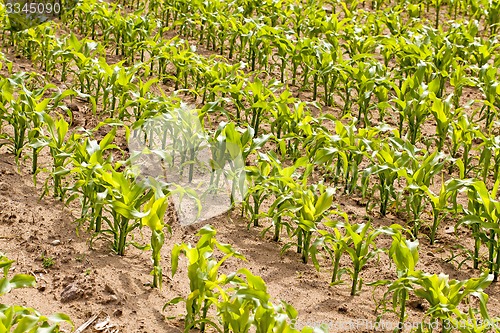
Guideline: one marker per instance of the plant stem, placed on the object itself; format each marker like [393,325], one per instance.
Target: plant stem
[305,249]
[497,266]
[35,159]
[299,241]
[204,315]
[354,280]
[255,211]
[277,227]
[122,235]
[336,263]
[402,310]
[477,244]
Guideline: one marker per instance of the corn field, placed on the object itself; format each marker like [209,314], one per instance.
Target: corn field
[294,109]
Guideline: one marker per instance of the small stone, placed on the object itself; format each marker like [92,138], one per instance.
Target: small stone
[73,107]
[55,242]
[71,293]
[117,313]
[109,300]
[109,290]
[343,308]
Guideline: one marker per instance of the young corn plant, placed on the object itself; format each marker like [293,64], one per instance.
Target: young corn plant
[335,243]
[362,250]
[312,203]
[388,163]
[61,146]
[258,190]
[192,138]
[232,146]
[205,280]
[259,96]
[19,104]
[124,197]
[490,87]
[441,110]
[247,307]
[445,297]
[411,102]
[418,177]
[482,215]
[404,254]
[156,208]
[343,152]
[462,134]
[38,107]
[90,156]
[16,318]
[490,152]
[282,184]
[240,299]
[439,204]
[248,296]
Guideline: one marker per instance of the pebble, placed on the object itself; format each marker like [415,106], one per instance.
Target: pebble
[343,308]
[73,107]
[55,242]
[71,293]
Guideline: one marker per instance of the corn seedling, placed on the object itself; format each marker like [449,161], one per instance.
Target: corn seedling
[61,146]
[156,208]
[445,296]
[124,197]
[335,243]
[204,277]
[482,215]
[240,299]
[16,318]
[404,254]
[88,158]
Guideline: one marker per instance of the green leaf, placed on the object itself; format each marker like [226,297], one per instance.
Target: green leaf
[22,281]
[324,201]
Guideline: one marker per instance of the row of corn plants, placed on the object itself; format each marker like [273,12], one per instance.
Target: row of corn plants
[428,66]
[332,58]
